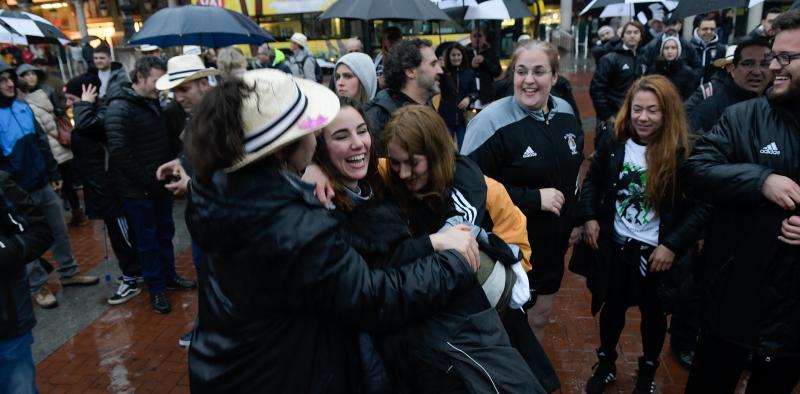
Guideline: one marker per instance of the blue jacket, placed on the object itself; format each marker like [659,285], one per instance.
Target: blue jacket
[24,151]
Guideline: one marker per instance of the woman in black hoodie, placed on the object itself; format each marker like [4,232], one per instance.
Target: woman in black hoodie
[670,65]
[459,90]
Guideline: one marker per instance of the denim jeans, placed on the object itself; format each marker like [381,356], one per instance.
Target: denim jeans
[50,206]
[153,228]
[17,371]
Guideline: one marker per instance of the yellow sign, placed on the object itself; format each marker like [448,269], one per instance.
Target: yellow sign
[269,7]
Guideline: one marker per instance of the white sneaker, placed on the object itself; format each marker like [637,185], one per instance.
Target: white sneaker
[125,292]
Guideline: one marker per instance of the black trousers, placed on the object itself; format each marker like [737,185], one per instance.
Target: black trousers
[69,178]
[124,245]
[718,365]
[628,288]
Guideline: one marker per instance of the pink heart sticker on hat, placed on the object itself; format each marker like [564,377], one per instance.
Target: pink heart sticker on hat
[312,123]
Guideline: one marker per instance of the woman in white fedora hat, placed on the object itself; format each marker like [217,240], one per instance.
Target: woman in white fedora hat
[282,296]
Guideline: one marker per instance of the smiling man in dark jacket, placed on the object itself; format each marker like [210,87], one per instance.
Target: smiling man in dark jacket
[746,77]
[24,236]
[748,167]
[139,141]
[708,47]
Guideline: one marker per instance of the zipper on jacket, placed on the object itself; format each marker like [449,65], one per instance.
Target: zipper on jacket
[476,363]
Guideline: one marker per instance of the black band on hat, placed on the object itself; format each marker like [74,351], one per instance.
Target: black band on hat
[275,128]
[183,74]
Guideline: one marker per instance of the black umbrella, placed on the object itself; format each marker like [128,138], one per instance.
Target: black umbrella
[212,27]
[385,9]
[695,7]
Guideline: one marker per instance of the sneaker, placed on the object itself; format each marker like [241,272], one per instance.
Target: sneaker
[80,280]
[137,278]
[178,283]
[160,302]
[605,373]
[45,298]
[125,292]
[646,377]
[185,340]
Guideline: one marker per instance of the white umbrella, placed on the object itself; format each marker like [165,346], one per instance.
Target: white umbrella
[33,26]
[498,10]
[9,36]
[670,5]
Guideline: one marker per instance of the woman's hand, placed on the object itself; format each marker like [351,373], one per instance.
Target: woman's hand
[323,189]
[576,235]
[790,230]
[463,103]
[661,259]
[461,240]
[552,200]
[89,93]
[591,233]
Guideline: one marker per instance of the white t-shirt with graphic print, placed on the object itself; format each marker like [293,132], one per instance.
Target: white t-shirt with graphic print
[635,218]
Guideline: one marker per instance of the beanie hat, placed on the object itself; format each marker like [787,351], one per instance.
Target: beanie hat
[677,42]
[364,69]
[75,85]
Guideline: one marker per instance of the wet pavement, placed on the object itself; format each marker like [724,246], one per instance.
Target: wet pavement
[88,346]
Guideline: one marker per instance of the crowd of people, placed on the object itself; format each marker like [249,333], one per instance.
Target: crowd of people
[404,229]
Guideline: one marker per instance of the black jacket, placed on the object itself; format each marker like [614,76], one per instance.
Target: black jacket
[89,146]
[679,74]
[380,110]
[615,73]
[526,153]
[418,355]
[139,141]
[24,236]
[681,221]
[600,50]
[752,279]
[652,50]
[486,72]
[707,52]
[456,84]
[280,308]
[716,98]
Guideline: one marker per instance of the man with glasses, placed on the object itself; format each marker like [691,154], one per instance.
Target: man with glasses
[748,167]
[745,77]
[708,47]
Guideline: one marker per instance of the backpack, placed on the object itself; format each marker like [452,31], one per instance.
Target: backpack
[317,69]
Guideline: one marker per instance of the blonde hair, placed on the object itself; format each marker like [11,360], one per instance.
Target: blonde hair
[231,60]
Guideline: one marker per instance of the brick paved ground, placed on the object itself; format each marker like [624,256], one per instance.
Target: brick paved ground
[130,349]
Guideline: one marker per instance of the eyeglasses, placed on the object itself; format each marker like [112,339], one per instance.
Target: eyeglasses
[751,64]
[783,58]
[537,72]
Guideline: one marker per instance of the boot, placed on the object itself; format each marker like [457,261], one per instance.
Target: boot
[646,377]
[605,372]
